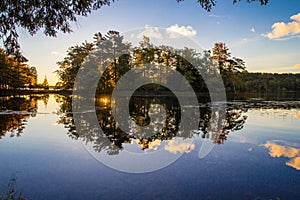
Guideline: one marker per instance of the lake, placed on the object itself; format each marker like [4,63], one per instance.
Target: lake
[54,155]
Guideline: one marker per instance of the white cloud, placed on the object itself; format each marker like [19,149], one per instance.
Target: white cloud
[281,29]
[55,53]
[218,16]
[296,17]
[187,31]
[151,32]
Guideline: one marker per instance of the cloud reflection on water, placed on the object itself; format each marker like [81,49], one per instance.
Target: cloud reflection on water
[278,150]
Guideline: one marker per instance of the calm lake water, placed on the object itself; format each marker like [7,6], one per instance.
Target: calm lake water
[256,154]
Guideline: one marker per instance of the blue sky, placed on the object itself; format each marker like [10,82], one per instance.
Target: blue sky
[243,27]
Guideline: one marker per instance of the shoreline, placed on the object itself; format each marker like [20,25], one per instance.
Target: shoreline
[16,92]
[230,96]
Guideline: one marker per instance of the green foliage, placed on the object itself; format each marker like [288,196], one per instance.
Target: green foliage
[269,82]
[69,67]
[229,67]
[117,57]
[51,16]
[15,74]
[106,48]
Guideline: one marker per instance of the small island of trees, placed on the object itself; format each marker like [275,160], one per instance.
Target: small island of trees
[236,78]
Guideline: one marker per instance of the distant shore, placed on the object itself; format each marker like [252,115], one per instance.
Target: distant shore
[287,95]
[15,92]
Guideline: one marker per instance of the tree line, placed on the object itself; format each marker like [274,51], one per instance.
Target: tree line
[114,58]
[16,74]
[105,48]
[237,79]
[268,82]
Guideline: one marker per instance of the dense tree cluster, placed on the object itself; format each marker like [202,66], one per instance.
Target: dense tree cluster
[268,82]
[33,15]
[15,74]
[232,69]
[69,67]
[237,79]
[105,50]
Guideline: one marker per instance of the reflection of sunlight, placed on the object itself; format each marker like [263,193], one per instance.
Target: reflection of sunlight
[174,146]
[295,163]
[104,101]
[297,115]
[277,150]
[288,112]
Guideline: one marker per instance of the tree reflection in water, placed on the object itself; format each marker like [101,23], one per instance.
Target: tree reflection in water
[142,108]
[15,112]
